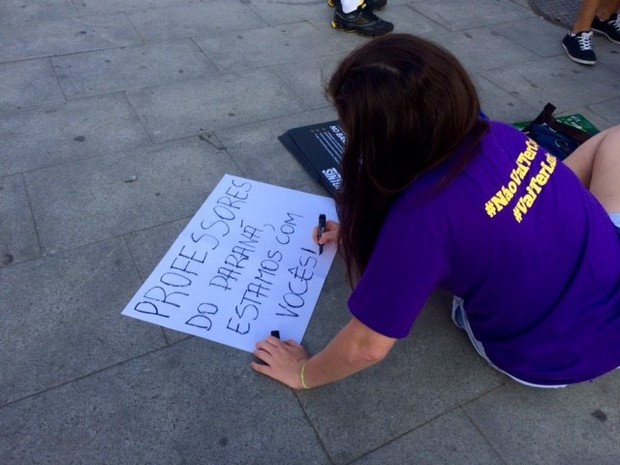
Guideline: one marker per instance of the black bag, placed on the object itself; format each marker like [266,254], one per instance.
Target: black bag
[559,139]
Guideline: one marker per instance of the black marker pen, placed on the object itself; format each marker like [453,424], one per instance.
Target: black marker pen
[322,225]
[274,333]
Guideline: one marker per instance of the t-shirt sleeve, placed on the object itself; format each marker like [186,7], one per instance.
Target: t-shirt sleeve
[406,266]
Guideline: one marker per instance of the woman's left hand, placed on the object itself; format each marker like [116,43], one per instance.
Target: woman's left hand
[283,360]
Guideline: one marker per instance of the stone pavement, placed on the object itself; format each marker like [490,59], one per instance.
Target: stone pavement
[117,118]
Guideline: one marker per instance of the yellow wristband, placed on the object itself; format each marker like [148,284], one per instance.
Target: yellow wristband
[302,376]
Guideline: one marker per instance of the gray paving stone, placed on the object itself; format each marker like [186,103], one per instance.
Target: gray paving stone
[114,6]
[194,403]
[267,46]
[448,440]
[573,426]
[309,78]
[21,10]
[458,16]
[535,34]
[18,236]
[497,52]
[176,110]
[557,80]
[112,70]
[407,19]
[292,11]
[61,319]
[57,36]
[426,375]
[501,105]
[54,134]
[148,246]
[608,109]
[607,53]
[113,195]
[345,39]
[607,411]
[198,20]
[27,83]
[261,156]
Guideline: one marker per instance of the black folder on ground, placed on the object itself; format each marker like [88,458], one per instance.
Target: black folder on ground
[319,148]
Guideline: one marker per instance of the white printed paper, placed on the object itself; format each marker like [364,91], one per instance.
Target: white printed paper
[245,265]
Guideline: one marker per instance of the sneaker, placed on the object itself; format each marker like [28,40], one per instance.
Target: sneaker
[609,28]
[579,47]
[361,21]
[374,5]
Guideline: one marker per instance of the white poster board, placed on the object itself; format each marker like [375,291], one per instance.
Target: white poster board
[244,266]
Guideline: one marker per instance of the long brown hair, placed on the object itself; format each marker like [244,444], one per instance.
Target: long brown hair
[405,104]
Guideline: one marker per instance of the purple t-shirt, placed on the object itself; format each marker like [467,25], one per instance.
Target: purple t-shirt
[532,252]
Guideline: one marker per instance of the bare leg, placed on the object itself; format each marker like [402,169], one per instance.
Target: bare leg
[597,164]
[591,8]
[586,14]
[607,8]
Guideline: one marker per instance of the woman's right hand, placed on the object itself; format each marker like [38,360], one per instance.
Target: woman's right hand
[331,233]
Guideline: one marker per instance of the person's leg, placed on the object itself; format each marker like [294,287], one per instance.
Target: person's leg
[607,8]
[606,21]
[597,164]
[587,12]
[591,9]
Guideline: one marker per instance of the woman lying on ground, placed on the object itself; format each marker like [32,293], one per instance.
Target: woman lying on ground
[435,196]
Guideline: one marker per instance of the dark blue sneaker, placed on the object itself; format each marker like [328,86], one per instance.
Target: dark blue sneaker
[361,21]
[609,28]
[374,5]
[579,47]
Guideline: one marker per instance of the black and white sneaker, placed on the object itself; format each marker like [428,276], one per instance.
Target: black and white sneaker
[609,28]
[579,47]
[374,5]
[361,21]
